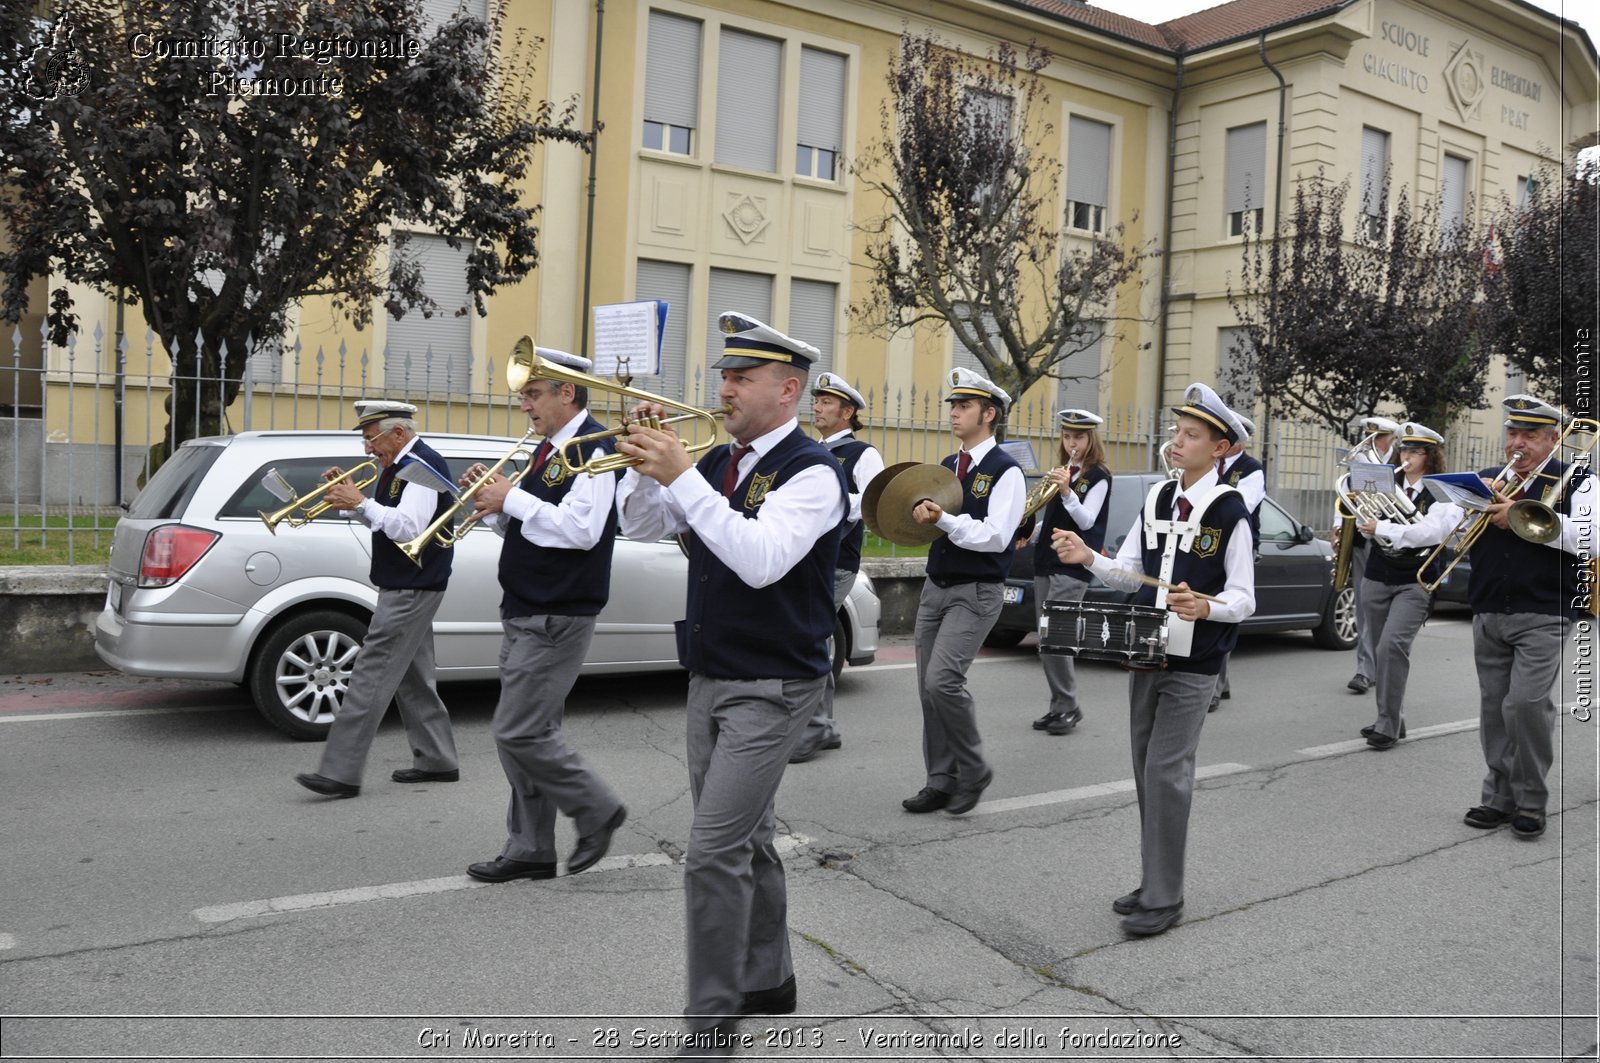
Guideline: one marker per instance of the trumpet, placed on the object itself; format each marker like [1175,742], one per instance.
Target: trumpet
[440,531]
[526,364]
[308,507]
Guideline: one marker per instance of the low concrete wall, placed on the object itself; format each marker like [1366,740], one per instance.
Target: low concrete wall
[899,585]
[49,611]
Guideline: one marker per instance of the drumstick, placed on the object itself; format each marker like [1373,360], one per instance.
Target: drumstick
[1153,582]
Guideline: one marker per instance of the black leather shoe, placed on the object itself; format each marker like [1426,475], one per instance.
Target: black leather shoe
[1064,723]
[778,1001]
[1380,741]
[1126,904]
[1527,823]
[1360,684]
[324,786]
[1047,719]
[419,775]
[1147,922]
[806,753]
[965,800]
[927,800]
[1368,732]
[1485,818]
[1213,706]
[591,847]
[502,870]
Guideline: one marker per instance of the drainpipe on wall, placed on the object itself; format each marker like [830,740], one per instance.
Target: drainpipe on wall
[1166,252]
[1277,210]
[594,157]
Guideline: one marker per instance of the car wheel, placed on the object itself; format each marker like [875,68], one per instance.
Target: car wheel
[1338,629]
[300,674]
[841,648]
[1003,638]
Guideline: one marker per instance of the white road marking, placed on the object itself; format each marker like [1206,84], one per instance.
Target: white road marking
[912,664]
[8,941]
[91,713]
[1079,793]
[223,913]
[1335,748]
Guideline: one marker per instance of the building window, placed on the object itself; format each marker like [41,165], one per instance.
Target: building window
[1452,200]
[672,84]
[747,101]
[820,129]
[743,293]
[1247,168]
[812,306]
[1086,364]
[435,13]
[964,357]
[431,350]
[1374,183]
[1088,173]
[1527,192]
[1235,387]
[669,282]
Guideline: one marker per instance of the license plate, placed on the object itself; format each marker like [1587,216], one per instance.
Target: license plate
[1013,595]
[114,597]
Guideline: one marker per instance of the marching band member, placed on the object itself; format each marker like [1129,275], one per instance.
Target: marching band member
[836,412]
[559,528]
[1522,613]
[1084,483]
[396,658]
[962,595]
[1394,605]
[767,516]
[1194,534]
[1366,650]
[1246,473]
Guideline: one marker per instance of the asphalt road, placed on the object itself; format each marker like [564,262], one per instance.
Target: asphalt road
[162,870]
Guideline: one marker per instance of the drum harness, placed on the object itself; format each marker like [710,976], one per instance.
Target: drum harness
[1180,536]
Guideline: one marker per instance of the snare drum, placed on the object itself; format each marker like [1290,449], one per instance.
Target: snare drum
[1134,636]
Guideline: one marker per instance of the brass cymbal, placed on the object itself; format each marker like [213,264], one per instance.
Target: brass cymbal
[887,503]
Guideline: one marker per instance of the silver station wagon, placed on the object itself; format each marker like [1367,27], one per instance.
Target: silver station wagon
[200,588]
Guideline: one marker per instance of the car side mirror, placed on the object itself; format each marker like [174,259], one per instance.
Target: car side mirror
[1305,535]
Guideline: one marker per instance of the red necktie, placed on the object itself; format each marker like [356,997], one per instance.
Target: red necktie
[1222,465]
[541,454]
[730,479]
[383,481]
[1184,506]
[963,463]
[1072,474]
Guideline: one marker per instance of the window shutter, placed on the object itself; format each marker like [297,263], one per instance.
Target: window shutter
[811,319]
[1374,160]
[1088,161]
[672,71]
[433,353]
[1452,194]
[741,292]
[668,281]
[821,119]
[1231,349]
[436,13]
[964,357]
[747,101]
[1247,158]
[1083,394]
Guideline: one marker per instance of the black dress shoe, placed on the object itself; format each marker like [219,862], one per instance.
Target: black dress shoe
[1213,706]
[1368,732]
[1126,904]
[778,1001]
[1064,723]
[591,847]
[1380,741]
[325,786]
[1360,684]
[805,753]
[1047,719]
[420,775]
[1527,823]
[1485,818]
[927,800]
[965,800]
[502,870]
[1147,922]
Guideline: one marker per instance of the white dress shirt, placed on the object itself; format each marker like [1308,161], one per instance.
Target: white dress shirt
[1430,528]
[1253,487]
[759,551]
[574,523]
[868,465]
[404,522]
[1007,495]
[1238,593]
[1084,512]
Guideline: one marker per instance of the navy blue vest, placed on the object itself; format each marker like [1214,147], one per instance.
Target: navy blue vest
[1402,567]
[1045,561]
[1244,466]
[732,630]
[1207,574]
[549,579]
[948,564]
[392,570]
[1512,575]
[848,450]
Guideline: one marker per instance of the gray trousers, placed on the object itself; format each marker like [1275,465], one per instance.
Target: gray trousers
[823,726]
[1167,711]
[1366,638]
[951,625]
[1394,612]
[539,661]
[741,733]
[1060,672]
[1519,656]
[395,664]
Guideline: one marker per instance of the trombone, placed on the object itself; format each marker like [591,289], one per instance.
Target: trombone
[304,509]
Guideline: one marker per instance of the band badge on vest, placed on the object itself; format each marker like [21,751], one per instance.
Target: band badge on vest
[759,486]
[1081,488]
[981,485]
[1206,542]
[555,471]
[396,485]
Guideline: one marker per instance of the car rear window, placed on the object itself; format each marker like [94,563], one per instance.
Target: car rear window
[167,494]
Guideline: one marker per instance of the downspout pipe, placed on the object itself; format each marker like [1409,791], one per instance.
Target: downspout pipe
[594,162]
[1277,212]
[1166,254]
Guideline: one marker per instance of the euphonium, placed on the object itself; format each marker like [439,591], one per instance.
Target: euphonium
[310,509]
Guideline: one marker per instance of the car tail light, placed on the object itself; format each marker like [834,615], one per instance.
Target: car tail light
[170,551]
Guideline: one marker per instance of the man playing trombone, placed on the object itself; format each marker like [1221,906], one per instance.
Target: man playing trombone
[559,528]
[1522,595]
[396,658]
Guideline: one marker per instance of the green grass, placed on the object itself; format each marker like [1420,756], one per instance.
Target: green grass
[24,542]
[876,547]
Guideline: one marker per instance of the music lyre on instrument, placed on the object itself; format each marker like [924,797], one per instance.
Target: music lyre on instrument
[304,509]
